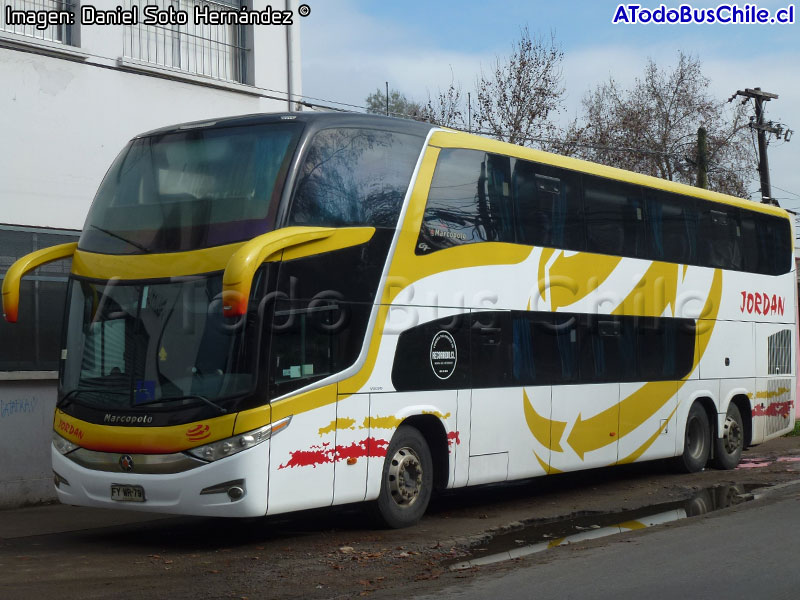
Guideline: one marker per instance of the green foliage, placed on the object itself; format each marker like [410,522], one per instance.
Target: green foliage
[399,104]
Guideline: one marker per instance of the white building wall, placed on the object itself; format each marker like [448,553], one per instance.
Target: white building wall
[63,120]
[26,424]
[65,113]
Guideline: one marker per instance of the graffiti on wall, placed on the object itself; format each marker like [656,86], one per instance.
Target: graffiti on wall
[18,407]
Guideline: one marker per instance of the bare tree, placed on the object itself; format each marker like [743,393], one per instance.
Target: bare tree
[516,100]
[447,108]
[399,104]
[652,128]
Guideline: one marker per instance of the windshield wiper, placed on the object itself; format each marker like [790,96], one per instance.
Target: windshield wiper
[144,249]
[203,399]
[70,395]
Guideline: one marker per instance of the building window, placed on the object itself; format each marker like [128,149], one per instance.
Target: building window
[60,33]
[33,343]
[216,51]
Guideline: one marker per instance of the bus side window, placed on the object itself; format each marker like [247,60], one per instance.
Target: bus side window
[436,355]
[721,244]
[766,243]
[565,329]
[614,217]
[468,201]
[545,348]
[607,349]
[536,197]
[311,340]
[671,227]
[493,337]
[755,250]
[525,369]
[354,177]
[547,206]
[656,349]
[778,231]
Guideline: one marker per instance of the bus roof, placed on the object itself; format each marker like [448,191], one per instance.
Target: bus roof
[316,119]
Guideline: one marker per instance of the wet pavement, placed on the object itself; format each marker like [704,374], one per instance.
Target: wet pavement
[536,537]
[86,553]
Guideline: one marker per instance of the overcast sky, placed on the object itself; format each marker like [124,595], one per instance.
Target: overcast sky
[351,47]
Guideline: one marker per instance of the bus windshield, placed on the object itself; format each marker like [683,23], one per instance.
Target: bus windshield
[191,189]
[134,345]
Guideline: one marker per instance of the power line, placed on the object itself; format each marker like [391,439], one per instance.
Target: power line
[786,191]
[314,102]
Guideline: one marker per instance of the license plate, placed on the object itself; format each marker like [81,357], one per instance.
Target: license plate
[127,493]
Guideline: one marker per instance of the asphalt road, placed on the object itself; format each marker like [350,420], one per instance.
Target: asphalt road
[749,552]
[69,552]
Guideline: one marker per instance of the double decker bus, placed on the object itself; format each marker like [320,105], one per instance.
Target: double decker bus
[270,313]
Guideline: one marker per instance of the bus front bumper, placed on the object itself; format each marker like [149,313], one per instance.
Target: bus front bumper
[203,491]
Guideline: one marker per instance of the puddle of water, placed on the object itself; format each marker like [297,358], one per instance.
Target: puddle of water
[538,538]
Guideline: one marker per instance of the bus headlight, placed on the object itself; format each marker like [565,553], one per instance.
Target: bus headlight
[243,441]
[63,445]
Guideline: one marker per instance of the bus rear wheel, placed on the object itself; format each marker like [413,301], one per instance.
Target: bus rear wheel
[697,441]
[728,447]
[406,481]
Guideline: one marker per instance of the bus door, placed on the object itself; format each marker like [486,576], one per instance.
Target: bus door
[354,445]
[492,412]
[301,470]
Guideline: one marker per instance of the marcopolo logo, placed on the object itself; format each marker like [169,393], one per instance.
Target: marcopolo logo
[114,419]
[444,355]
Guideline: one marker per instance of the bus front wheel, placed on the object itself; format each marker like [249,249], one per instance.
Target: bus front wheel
[697,441]
[728,447]
[407,479]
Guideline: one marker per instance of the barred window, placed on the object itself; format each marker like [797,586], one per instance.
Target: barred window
[33,343]
[216,51]
[779,347]
[38,9]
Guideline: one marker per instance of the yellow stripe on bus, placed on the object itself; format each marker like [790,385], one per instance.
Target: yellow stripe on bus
[140,439]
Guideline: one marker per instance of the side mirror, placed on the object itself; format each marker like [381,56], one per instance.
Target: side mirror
[24,265]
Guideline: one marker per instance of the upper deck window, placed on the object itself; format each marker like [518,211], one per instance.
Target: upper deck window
[469,201]
[191,189]
[473,199]
[354,177]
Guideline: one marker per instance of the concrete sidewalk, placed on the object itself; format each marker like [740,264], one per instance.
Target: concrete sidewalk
[59,518]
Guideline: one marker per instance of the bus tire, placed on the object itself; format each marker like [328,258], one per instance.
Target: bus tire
[406,480]
[728,447]
[697,441]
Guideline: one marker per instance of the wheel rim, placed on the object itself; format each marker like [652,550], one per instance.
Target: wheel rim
[731,436]
[695,438]
[405,477]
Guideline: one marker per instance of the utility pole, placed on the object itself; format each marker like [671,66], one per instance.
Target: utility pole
[702,158]
[469,112]
[763,129]
[387,98]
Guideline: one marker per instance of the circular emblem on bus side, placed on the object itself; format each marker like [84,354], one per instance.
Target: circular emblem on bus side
[444,355]
[126,463]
